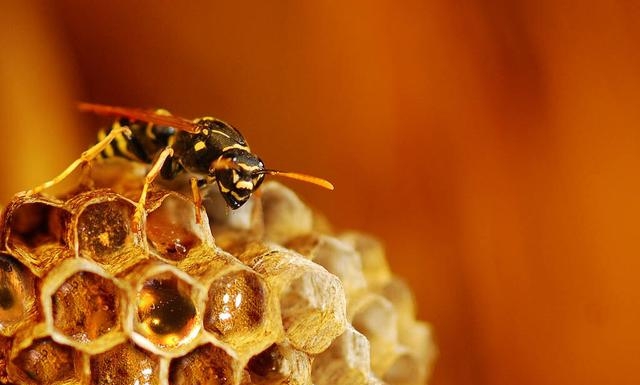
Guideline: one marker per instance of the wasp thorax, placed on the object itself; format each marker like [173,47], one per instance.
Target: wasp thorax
[238,174]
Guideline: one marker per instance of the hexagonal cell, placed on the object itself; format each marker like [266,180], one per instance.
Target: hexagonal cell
[84,305]
[236,303]
[376,318]
[171,228]
[166,315]
[285,215]
[345,362]
[207,364]
[280,364]
[312,301]
[35,232]
[45,361]
[239,310]
[103,230]
[417,339]
[338,257]
[17,295]
[374,263]
[125,364]
[406,369]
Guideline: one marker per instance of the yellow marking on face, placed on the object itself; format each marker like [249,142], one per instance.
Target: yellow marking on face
[249,168]
[238,197]
[245,184]
[223,189]
[235,175]
[236,145]
[199,146]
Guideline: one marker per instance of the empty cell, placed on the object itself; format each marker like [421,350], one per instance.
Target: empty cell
[205,365]
[172,230]
[36,233]
[86,306]
[45,362]
[17,294]
[32,224]
[166,312]
[236,304]
[125,364]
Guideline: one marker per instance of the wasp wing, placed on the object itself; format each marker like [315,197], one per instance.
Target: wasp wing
[141,114]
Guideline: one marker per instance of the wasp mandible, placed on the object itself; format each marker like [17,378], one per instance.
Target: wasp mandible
[209,149]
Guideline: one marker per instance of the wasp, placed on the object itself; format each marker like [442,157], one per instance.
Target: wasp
[210,150]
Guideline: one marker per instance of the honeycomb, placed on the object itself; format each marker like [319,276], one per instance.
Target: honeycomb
[267,294]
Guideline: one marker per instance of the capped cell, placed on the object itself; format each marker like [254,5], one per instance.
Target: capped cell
[374,262]
[406,369]
[84,306]
[345,362]
[18,303]
[338,257]
[285,215]
[375,317]
[312,300]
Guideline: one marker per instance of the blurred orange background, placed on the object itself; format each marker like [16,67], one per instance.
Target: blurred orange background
[492,145]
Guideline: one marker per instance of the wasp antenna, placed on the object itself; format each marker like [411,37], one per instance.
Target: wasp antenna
[302,177]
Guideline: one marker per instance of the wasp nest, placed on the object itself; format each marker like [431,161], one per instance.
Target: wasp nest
[276,299]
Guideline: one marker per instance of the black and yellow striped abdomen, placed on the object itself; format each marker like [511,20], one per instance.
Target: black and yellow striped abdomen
[145,142]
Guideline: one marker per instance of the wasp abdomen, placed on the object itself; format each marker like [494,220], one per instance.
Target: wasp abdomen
[145,142]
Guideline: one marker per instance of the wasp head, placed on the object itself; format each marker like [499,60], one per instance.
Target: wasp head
[238,174]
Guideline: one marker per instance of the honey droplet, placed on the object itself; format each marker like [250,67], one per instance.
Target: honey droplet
[167,315]
[170,229]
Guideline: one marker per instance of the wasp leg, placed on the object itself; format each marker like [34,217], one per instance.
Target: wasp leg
[151,176]
[197,199]
[86,157]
